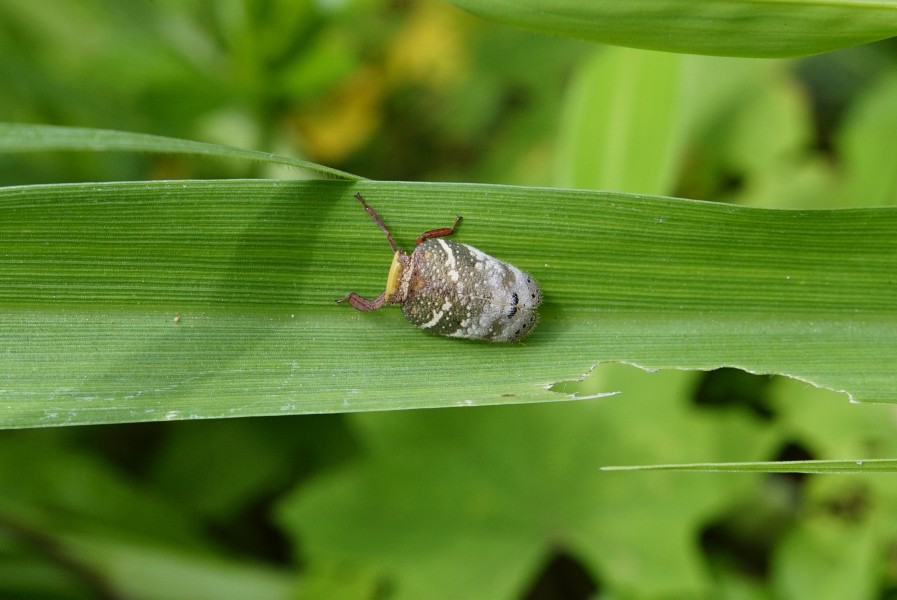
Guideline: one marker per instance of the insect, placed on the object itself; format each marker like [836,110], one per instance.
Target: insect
[454,289]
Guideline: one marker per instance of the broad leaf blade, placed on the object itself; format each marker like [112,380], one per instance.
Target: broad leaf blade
[195,299]
[771,28]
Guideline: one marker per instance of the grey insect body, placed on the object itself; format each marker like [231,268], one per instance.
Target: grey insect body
[456,290]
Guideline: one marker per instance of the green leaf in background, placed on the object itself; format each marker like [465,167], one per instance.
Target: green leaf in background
[826,558]
[238,461]
[827,427]
[624,123]
[63,502]
[151,572]
[189,299]
[848,523]
[496,491]
[869,142]
[34,138]
[772,28]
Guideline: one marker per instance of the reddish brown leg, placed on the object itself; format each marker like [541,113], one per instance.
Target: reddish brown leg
[435,233]
[363,304]
[379,222]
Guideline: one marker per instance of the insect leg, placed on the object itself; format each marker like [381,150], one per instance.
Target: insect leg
[363,304]
[378,221]
[435,233]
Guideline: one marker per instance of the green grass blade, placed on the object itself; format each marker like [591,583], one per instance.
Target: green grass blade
[840,467]
[193,299]
[624,125]
[15,137]
[764,28]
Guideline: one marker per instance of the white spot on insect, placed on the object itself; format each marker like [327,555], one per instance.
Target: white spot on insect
[453,275]
[432,322]
[446,306]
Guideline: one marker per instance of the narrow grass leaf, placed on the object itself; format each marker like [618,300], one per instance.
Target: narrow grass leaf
[766,28]
[20,137]
[842,467]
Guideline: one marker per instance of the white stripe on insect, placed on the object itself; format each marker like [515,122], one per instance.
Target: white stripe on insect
[449,255]
[436,318]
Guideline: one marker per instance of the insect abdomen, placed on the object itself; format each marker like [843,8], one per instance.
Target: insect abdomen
[456,290]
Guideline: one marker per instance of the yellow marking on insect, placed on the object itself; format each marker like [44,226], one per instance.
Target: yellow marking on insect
[395,273]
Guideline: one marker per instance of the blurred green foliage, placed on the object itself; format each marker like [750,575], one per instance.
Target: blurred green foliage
[460,503]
